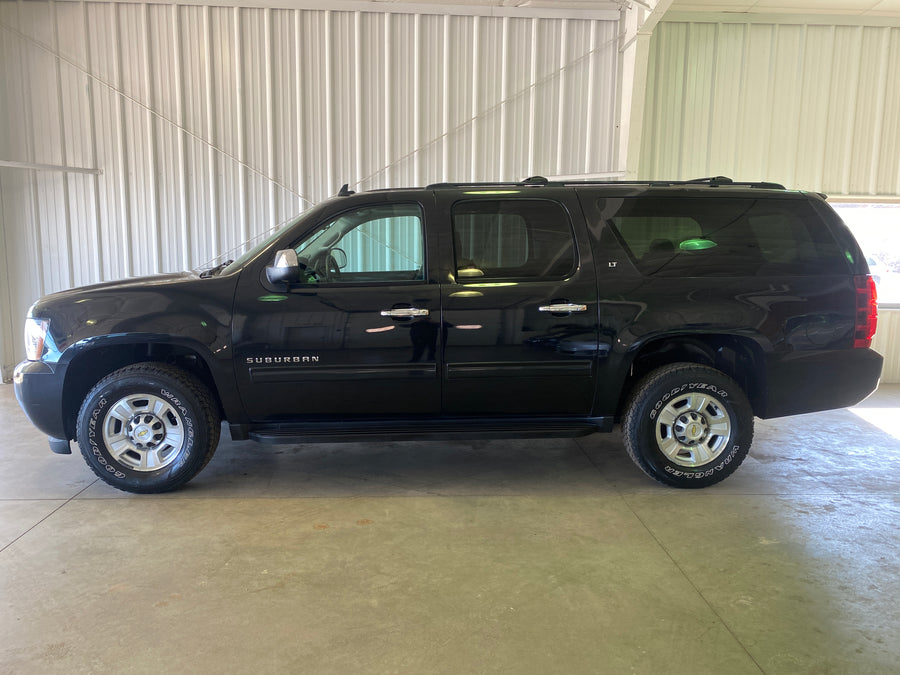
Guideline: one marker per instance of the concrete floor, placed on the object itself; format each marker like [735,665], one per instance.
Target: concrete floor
[491,557]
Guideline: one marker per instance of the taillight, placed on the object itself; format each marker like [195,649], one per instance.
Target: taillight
[866,311]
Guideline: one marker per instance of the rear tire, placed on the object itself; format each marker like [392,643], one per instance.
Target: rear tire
[148,427]
[687,425]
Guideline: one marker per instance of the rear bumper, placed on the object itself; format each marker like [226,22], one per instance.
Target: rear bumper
[39,390]
[806,382]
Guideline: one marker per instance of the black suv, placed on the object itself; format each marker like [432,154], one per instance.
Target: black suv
[682,309]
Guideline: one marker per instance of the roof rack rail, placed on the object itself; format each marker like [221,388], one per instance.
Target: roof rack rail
[716,181]
[712,181]
[532,180]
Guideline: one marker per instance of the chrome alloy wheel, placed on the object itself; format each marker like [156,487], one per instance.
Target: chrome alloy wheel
[143,432]
[693,429]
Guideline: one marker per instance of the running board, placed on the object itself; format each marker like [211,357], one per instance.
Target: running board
[409,430]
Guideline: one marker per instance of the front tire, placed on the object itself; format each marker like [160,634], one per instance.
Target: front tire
[148,428]
[687,425]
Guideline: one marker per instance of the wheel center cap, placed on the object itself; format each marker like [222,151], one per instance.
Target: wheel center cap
[145,431]
[691,428]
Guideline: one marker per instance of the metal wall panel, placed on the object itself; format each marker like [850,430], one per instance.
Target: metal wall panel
[808,104]
[887,337]
[213,124]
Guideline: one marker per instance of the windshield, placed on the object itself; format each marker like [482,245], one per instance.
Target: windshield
[252,252]
[223,261]
[266,239]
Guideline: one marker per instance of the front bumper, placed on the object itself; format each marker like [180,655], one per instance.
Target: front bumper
[39,390]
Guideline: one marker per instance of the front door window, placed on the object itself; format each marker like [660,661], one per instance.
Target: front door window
[374,244]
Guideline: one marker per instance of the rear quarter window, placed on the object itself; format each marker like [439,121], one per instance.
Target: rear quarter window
[689,236]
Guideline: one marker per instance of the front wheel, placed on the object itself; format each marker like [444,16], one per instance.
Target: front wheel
[148,427]
[688,425]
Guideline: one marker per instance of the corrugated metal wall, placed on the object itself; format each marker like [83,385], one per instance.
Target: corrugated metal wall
[211,124]
[810,105]
[887,339]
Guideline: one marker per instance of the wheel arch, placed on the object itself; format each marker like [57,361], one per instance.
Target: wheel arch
[92,363]
[739,357]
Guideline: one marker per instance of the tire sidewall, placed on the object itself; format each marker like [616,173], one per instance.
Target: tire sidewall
[727,394]
[93,416]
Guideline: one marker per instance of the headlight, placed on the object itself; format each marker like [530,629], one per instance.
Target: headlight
[35,333]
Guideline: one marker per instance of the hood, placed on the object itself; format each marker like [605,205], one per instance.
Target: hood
[79,292]
[154,308]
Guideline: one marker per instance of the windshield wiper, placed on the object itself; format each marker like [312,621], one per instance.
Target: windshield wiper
[215,270]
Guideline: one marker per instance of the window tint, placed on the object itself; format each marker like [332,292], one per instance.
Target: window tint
[372,244]
[512,239]
[675,236]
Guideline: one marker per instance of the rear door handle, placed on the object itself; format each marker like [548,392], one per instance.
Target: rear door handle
[404,312]
[562,308]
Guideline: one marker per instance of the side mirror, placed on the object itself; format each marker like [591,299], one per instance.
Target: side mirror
[285,269]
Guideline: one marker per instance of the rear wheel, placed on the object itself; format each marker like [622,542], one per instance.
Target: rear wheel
[688,425]
[148,428]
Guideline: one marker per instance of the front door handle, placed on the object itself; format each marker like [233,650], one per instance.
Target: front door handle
[562,308]
[404,312]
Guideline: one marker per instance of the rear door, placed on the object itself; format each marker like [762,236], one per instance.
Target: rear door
[519,304]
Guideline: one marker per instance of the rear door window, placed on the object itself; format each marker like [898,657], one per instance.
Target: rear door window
[512,239]
[677,236]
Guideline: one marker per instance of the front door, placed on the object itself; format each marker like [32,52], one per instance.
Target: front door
[359,337]
[520,308]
